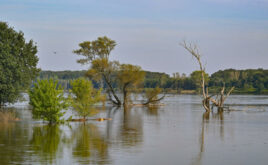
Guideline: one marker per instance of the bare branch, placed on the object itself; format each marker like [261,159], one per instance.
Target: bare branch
[219,101]
[230,91]
[193,50]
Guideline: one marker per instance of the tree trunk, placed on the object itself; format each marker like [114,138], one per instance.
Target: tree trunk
[125,95]
[206,104]
[195,53]
[117,100]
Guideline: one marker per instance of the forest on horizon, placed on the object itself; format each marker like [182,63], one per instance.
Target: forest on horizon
[249,81]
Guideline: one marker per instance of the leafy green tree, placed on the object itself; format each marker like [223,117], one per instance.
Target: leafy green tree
[84,97]
[105,70]
[91,50]
[18,62]
[97,54]
[48,101]
[129,77]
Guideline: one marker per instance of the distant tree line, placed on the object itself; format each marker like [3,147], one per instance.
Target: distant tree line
[253,81]
[64,77]
[245,81]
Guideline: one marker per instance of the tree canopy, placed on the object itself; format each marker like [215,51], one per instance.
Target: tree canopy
[18,62]
[97,54]
[84,96]
[129,76]
[91,50]
[47,100]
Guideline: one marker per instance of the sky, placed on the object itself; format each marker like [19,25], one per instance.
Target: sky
[228,33]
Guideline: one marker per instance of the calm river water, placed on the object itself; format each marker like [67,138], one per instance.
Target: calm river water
[177,133]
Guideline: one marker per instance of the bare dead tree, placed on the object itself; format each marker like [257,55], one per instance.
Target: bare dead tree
[219,102]
[192,48]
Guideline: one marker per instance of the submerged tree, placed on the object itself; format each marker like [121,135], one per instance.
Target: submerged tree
[125,77]
[102,69]
[97,54]
[84,97]
[47,100]
[18,62]
[193,50]
[195,53]
[152,95]
[129,77]
[219,101]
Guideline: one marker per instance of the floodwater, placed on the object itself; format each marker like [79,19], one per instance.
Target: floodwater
[177,133]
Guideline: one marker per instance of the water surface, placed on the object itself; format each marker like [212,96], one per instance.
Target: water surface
[177,133]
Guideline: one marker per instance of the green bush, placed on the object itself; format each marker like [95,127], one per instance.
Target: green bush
[84,97]
[47,100]
[152,95]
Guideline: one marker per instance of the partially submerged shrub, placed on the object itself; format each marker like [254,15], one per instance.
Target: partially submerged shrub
[151,95]
[84,97]
[47,100]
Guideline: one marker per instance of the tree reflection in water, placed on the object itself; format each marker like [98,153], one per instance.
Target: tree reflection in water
[130,130]
[45,142]
[12,150]
[152,110]
[34,142]
[217,117]
[88,145]
[132,127]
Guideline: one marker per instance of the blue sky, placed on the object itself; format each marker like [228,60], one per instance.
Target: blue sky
[229,33]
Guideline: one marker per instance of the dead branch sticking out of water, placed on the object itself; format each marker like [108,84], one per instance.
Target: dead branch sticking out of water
[219,101]
[193,50]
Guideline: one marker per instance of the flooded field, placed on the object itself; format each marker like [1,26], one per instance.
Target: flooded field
[177,133]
